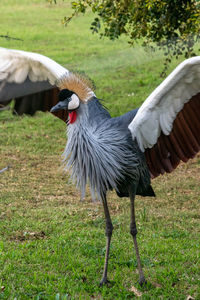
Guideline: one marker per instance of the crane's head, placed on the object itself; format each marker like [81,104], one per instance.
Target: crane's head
[68,101]
[74,90]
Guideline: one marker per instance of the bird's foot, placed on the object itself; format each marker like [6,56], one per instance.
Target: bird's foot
[142,281]
[104,281]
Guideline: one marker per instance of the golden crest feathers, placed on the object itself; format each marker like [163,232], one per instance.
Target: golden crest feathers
[77,83]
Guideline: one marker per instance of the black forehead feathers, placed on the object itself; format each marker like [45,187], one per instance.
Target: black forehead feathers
[64,94]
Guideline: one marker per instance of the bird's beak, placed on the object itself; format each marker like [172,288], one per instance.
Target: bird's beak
[60,105]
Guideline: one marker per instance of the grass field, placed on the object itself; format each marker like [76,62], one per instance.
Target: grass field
[52,245]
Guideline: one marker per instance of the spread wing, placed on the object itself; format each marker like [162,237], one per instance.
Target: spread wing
[167,125]
[30,79]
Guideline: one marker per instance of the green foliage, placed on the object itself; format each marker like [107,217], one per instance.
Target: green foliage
[173,25]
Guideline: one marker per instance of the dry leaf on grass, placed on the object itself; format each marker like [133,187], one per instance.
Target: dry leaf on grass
[190,298]
[136,291]
[156,284]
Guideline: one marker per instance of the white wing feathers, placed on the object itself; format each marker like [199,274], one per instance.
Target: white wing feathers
[159,110]
[16,66]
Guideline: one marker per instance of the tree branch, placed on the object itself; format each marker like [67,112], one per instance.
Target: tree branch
[10,38]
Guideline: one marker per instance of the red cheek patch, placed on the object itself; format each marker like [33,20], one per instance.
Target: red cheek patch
[72,117]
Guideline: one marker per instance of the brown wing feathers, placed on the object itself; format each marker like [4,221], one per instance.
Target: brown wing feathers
[42,101]
[181,144]
[51,99]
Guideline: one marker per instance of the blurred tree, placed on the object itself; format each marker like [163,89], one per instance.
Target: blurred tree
[173,25]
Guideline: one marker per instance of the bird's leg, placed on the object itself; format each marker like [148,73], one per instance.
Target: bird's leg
[133,231]
[109,229]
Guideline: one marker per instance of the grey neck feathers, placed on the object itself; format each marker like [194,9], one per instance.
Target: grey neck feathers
[96,152]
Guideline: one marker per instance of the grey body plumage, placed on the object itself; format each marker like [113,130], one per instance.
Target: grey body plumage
[100,151]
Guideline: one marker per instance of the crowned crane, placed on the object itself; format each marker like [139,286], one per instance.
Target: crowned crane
[121,153]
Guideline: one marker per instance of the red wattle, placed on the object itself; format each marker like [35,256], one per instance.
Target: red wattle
[72,117]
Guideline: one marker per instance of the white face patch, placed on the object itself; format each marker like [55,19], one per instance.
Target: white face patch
[74,103]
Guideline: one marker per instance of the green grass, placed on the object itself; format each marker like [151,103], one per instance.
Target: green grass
[52,245]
